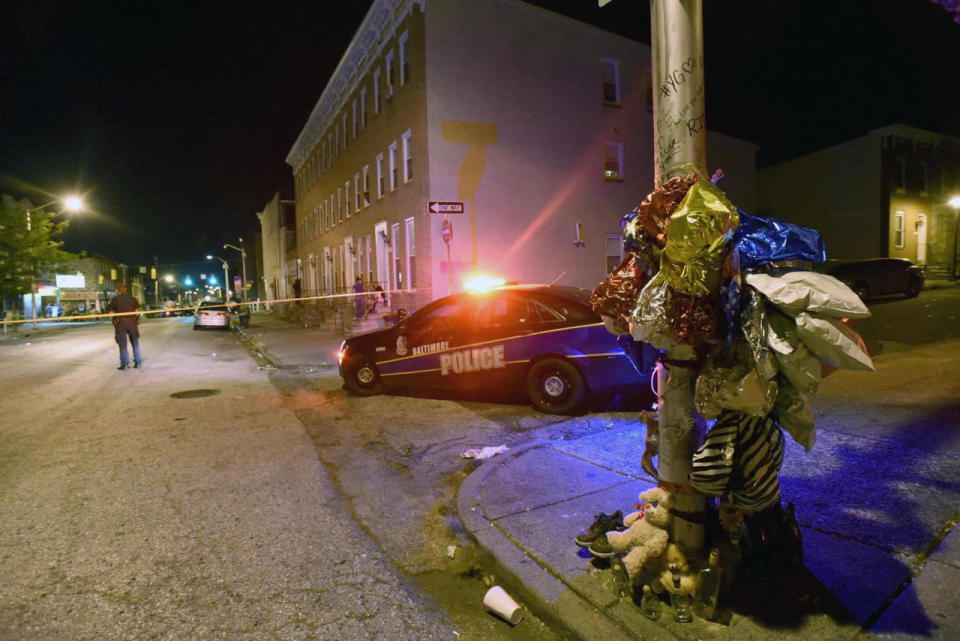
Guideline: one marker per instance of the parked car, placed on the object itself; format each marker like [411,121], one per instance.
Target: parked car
[543,340]
[211,313]
[879,276]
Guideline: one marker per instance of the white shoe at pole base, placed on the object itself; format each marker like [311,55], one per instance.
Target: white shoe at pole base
[497,600]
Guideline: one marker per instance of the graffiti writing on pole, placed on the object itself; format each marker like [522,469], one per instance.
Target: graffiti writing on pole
[670,84]
[695,125]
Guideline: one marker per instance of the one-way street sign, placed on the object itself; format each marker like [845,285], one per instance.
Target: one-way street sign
[445,207]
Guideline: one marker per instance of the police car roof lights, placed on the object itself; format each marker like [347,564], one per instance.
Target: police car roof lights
[478,283]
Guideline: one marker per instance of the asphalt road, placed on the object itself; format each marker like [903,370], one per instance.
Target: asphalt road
[183,500]
[130,514]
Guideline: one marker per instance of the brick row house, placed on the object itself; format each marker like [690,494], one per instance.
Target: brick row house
[541,126]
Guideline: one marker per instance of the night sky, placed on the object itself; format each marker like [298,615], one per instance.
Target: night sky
[175,118]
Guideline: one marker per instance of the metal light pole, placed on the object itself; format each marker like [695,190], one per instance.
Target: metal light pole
[955,203]
[243,267]
[71,204]
[226,275]
[679,132]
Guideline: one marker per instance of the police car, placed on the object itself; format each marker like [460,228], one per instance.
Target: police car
[545,340]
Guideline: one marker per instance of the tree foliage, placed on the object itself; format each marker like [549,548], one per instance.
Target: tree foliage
[28,250]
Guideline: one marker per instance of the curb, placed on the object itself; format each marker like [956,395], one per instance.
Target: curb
[539,590]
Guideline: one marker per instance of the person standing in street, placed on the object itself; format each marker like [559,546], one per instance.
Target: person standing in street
[126,326]
[358,288]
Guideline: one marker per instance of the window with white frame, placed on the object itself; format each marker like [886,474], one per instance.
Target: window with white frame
[610,76]
[342,266]
[333,220]
[366,185]
[900,176]
[407,157]
[397,265]
[363,108]
[339,204]
[898,226]
[353,121]
[356,191]
[392,153]
[379,176]
[368,243]
[404,60]
[390,74]
[376,90]
[346,197]
[411,239]
[613,160]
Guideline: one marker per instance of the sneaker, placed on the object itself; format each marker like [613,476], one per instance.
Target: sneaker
[601,548]
[603,524]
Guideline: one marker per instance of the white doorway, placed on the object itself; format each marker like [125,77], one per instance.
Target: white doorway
[921,239]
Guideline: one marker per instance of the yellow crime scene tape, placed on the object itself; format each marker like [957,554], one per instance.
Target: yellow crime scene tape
[104,316]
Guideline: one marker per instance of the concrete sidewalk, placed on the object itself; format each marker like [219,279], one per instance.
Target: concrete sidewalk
[877,511]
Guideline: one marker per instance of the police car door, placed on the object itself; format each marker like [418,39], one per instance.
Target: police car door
[499,324]
[428,337]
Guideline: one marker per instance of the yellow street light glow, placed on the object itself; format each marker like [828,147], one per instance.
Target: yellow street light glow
[73,203]
[482,282]
[954,202]
[168,278]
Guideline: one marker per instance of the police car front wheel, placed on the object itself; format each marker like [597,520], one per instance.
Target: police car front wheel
[555,386]
[361,376]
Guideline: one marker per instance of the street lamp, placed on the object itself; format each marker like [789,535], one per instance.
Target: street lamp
[955,203]
[243,267]
[226,275]
[70,204]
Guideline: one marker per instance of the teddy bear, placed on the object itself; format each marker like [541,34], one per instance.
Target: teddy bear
[646,537]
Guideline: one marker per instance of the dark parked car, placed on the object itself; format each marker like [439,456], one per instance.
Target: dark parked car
[879,276]
[542,340]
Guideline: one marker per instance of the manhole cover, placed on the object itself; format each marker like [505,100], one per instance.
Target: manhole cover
[195,393]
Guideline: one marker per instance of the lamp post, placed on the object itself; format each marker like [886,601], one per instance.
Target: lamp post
[955,203]
[69,204]
[243,267]
[226,275]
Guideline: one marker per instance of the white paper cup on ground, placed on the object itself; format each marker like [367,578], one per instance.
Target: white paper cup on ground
[500,603]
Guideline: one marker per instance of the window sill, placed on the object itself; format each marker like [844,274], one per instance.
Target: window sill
[613,179]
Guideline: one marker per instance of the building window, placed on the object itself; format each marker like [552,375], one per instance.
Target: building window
[341,263]
[407,157]
[353,122]
[379,176]
[404,60]
[346,197]
[924,177]
[392,153]
[363,108]
[397,267]
[613,160]
[610,75]
[344,130]
[376,91]
[330,210]
[326,156]
[336,140]
[367,243]
[390,74]
[411,254]
[900,177]
[366,185]
[339,205]
[898,220]
[356,191]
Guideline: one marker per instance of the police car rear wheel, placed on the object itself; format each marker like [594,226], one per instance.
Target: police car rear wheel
[555,386]
[361,376]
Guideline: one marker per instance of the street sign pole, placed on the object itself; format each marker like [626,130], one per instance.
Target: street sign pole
[446,233]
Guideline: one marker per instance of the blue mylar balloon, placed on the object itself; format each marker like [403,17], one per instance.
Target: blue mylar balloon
[760,240]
